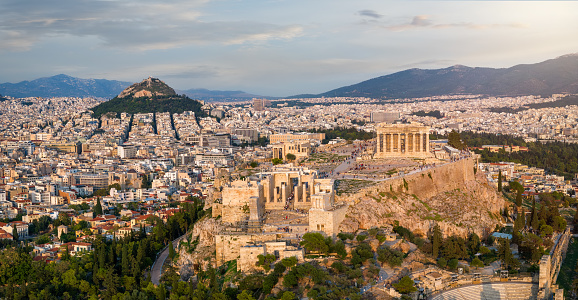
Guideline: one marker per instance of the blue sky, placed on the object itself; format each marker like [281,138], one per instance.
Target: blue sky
[276,47]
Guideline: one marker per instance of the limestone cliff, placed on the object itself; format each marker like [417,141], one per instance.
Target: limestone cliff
[452,196]
[197,250]
[148,88]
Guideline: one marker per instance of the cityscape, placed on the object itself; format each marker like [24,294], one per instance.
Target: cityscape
[238,150]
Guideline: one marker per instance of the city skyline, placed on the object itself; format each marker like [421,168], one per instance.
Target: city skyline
[275,48]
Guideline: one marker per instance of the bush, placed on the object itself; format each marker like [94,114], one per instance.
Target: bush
[442,262]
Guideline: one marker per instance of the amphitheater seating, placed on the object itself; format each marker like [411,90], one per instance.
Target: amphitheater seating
[495,291]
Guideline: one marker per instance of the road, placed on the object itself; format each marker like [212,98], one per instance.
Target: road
[156,272]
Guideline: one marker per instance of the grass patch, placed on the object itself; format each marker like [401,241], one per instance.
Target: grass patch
[568,268]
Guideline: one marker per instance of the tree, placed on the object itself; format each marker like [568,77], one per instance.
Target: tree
[14,232]
[288,296]
[290,156]
[534,219]
[314,242]
[254,164]
[455,140]
[97,210]
[499,180]
[172,252]
[277,161]
[442,262]
[453,263]
[473,243]
[519,198]
[477,263]
[265,261]
[245,296]
[436,240]
[289,262]
[405,285]
[505,253]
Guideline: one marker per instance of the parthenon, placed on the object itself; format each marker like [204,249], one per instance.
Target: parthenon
[402,140]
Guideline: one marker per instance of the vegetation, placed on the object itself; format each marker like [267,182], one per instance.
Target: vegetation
[113,270]
[434,113]
[349,134]
[172,103]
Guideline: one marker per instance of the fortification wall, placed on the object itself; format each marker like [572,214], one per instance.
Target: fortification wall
[228,245]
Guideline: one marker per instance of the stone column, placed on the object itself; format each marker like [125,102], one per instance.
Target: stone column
[399,142]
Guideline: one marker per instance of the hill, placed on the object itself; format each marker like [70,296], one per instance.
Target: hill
[559,75]
[149,96]
[63,86]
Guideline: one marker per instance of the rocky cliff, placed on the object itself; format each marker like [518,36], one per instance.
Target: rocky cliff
[452,196]
[197,251]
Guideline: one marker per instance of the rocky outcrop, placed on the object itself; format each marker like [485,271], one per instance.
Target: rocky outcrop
[196,251]
[148,88]
[451,196]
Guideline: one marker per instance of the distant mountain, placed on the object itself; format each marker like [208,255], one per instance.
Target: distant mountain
[148,96]
[208,95]
[559,75]
[63,86]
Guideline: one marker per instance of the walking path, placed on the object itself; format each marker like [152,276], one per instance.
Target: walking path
[157,268]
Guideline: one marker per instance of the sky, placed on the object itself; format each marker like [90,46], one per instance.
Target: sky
[274,47]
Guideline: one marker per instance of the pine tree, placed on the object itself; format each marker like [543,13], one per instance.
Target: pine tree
[519,198]
[519,223]
[500,181]
[436,240]
[97,210]
[534,216]
[125,261]
[14,233]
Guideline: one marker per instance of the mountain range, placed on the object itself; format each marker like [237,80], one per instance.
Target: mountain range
[64,86]
[67,86]
[559,75]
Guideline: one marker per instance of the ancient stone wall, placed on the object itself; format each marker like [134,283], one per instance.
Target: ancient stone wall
[228,245]
[327,221]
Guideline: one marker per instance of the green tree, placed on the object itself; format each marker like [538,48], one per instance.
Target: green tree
[405,285]
[287,295]
[254,164]
[453,263]
[500,181]
[277,161]
[97,209]
[245,295]
[314,242]
[519,198]
[477,263]
[265,261]
[290,156]
[455,140]
[14,232]
[289,262]
[172,252]
[442,262]
[125,260]
[534,219]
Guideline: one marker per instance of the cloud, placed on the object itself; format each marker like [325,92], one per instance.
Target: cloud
[136,25]
[370,13]
[423,21]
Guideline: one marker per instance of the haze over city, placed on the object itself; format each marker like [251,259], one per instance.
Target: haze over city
[274,48]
